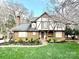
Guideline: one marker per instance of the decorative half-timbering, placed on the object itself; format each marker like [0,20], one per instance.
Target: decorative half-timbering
[43,27]
[45,22]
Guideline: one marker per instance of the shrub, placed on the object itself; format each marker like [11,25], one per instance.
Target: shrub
[26,39]
[49,40]
[54,40]
[11,41]
[37,41]
[16,40]
[58,40]
[19,40]
[31,40]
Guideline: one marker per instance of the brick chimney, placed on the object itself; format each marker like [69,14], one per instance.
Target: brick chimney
[18,21]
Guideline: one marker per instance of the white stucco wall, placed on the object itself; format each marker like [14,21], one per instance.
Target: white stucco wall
[50,25]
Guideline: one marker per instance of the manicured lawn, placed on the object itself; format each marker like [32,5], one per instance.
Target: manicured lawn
[51,51]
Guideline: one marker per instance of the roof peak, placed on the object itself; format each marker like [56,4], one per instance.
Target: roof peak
[45,13]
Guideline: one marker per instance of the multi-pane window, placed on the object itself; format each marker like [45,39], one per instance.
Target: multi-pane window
[22,34]
[34,33]
[58,34]
[33,25]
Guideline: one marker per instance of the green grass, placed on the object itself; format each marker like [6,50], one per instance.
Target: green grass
[51,51]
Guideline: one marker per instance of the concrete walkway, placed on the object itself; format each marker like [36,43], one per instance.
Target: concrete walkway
[23,45]
[43,41]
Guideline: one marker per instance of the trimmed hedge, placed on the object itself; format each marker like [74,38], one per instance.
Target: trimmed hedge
[27,40]
[54,40]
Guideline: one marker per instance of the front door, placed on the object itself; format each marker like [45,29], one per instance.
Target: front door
[42,35]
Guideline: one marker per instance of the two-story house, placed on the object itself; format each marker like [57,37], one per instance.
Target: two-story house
[43,27]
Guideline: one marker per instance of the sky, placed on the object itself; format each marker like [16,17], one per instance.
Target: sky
[37,6]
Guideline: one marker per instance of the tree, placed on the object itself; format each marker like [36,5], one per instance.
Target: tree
[68,31]
[73,33]
[8,13]
[76,33]
[18,10]
[67,9]
[10,22]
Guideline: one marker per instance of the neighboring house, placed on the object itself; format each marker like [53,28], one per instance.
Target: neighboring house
[44,27]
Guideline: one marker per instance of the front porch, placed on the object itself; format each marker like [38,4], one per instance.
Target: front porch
[51,35]
[46,34]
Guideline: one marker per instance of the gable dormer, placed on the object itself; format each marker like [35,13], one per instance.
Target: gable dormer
[43,22]
[33,25]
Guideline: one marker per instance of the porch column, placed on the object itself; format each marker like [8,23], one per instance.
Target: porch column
[40,35]
[44,35]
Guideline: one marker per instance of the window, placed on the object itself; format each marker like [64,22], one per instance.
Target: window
[58,34]
[34,33]
[22,34]
[33,25]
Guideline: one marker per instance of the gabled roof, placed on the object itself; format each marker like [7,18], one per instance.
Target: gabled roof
[33,19]
[56,18]
[45,13]
[53,17]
